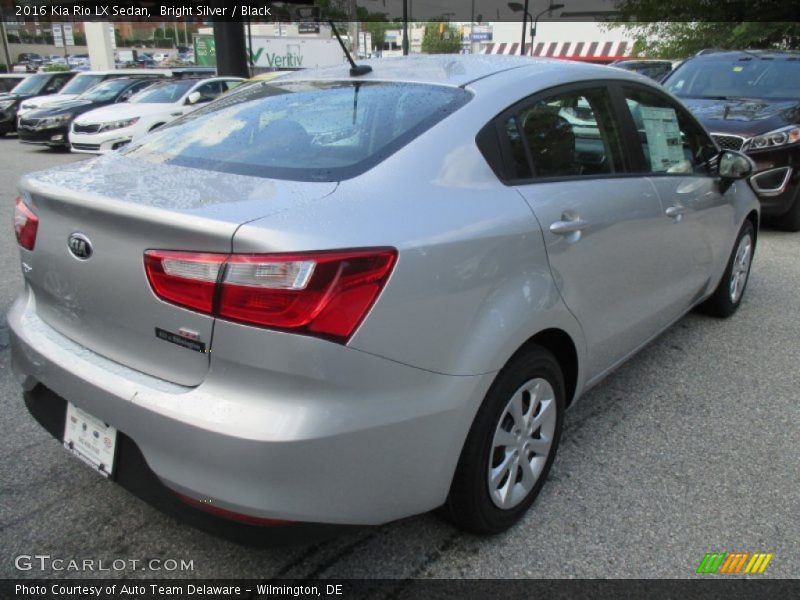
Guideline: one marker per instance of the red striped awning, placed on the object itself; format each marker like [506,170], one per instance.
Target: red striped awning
[584,51]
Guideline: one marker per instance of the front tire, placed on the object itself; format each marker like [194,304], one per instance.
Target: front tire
[791,220]
[729,293]
[511,445]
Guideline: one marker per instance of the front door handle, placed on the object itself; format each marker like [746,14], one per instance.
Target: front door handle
[568,226]
[676,211]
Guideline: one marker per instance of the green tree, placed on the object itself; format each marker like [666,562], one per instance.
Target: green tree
[441,38]
[680,28]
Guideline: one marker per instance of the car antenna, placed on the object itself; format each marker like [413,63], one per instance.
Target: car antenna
[355,70]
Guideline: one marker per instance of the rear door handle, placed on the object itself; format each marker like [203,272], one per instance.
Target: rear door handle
[676,211]
[570,226]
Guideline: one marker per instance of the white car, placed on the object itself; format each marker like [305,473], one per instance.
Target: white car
[111,127]
[82,82]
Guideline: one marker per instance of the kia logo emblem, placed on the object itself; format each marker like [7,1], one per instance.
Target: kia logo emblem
[80,246]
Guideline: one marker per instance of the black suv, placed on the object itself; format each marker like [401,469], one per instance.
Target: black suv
[750,101]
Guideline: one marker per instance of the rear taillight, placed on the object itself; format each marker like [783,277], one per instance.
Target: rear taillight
[326,294]
[26,224]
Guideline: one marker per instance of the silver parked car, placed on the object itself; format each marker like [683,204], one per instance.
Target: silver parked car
[348,299]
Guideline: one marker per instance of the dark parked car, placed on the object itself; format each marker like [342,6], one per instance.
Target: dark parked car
[41,84]
[30,60]
[50,126]
[654,69]
[750,101]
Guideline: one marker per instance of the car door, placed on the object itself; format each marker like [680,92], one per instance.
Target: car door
[679,157]
[600,225]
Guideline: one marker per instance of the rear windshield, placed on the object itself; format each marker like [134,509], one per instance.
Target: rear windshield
[303,131]
[727,78]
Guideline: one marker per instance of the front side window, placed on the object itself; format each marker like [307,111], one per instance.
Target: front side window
[568,135]
[301,130]
[672,143]
[209,91]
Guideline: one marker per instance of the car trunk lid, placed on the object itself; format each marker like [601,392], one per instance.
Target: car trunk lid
[121,208]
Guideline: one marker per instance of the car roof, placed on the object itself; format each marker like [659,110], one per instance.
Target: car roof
[443,69]
[165,72]
[460,70]
[456,70]
[761,54]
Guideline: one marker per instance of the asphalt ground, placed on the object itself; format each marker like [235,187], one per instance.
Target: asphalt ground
[691,447]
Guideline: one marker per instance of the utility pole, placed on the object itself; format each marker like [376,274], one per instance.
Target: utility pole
[6,53]
[405,27]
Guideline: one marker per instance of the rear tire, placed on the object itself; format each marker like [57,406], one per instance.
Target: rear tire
[511,445]
[729,293]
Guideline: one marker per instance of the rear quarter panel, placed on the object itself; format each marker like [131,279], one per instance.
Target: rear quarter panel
[472,282]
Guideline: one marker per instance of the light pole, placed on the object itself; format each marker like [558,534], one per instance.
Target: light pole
[536,21]
[517,7]
[405,27]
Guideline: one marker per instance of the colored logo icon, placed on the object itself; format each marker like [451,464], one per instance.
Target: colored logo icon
[734,563]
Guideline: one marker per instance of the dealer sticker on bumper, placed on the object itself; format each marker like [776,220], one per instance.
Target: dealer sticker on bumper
[91,440]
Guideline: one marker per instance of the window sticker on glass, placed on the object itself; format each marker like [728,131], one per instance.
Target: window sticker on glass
[663,137]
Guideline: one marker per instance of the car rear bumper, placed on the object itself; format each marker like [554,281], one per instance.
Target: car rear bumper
[376,442]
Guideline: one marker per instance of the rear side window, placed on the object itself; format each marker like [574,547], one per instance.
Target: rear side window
[304,131]
[56,83]
[573,134]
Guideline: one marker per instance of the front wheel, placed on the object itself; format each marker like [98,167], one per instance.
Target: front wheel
[729,293]
[511,445]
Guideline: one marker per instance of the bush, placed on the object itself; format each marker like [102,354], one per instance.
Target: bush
[54,67]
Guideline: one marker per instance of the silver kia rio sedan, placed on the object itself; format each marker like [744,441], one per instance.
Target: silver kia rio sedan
[348,299]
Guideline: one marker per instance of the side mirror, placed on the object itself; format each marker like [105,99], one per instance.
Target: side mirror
[735,165]
[194,98]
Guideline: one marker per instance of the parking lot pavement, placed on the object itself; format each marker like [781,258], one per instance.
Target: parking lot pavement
[691,447]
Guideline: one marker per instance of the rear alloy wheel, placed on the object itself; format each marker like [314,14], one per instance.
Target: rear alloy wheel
[511,445]
[729,293]
[522,442]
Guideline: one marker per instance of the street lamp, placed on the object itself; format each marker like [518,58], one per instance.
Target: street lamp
[517,7]
[536,20]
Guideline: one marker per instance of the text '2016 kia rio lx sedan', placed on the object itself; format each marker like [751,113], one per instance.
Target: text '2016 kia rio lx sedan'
[348,299]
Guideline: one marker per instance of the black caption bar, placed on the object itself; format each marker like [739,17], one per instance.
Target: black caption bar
[392,10]
[463,589]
